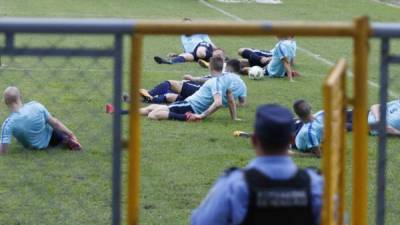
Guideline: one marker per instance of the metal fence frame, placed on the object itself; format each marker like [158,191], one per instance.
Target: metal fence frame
[11,27]
[358,30]
[385,32]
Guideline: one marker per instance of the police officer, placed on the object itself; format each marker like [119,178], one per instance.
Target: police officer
[271,189]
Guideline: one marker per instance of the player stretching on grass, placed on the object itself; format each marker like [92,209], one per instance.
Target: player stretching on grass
[207,100]
[392,117]
[174,90]
[32,125]
[276,63]
[195,46]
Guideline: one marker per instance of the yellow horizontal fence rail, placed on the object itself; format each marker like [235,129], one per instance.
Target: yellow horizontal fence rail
[358,30]
[335,99]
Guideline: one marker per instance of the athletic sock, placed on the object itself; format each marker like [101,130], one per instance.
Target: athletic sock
[178,59]
[159,99]
[176,116]
[161,89]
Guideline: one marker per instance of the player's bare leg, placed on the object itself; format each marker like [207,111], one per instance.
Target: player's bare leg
[176,86]
[148,109]
[171,97]
[161,113]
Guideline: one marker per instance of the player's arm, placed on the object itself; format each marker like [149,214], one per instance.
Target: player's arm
[200,80]
[213,107]
[59,126]
[6,135]
[288,68]
[231,104]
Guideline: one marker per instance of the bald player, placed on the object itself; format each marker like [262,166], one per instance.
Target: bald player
[32,125]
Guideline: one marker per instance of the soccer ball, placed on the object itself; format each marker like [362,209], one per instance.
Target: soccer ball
[256,73]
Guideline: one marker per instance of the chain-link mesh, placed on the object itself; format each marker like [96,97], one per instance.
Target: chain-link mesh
[58,186]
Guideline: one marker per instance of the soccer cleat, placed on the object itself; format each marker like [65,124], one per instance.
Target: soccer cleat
[295,74]
[73,144]
[109,108]
[203,63]
[239,133]
[160,60]
[145,95]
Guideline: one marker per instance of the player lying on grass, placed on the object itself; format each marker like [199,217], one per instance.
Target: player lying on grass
[308,128]
[195,47]
[208,99]
[392,118]
[32,125]
[173,90]
[278,64]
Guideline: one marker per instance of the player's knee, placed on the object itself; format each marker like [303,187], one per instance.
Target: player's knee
[201,54]
[241,50]
[153,116]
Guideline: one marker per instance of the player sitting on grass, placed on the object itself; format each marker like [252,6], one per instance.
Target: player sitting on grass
[173,90]
[32,125]
[207,100]
[392,118]
[195,46]
[279,64]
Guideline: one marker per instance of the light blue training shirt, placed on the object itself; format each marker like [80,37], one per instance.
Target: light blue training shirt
[310,134]
[189,42]
[392,116]
[238,87]
[283,49]
[29,126]
[227,201]
[203,98]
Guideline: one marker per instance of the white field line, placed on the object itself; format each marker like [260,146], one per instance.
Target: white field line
[111,70]
[306,51]
[387,4]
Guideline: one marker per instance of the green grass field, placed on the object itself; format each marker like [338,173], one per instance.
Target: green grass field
[180,161]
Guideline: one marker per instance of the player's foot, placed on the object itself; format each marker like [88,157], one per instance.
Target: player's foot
[109,108]
[73,144]
[160,60]
[203,63]
[191,118]
[145,95]
[126,97]
[172,54]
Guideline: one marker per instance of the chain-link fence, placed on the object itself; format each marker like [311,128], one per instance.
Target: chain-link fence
[73,68]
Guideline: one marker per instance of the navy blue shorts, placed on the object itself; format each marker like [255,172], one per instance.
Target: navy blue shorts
[180,107]
[254,56]
[56,138]
[209,51]
[188,88]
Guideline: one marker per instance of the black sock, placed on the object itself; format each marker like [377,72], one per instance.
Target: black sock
[176,116]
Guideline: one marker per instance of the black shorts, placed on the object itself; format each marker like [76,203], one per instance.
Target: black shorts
[188,88]
[180,107]
[254,56]
[56,138]
[209,51]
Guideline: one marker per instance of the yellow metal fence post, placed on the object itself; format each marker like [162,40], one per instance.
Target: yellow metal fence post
[134,131]
[335,101]
[360,128]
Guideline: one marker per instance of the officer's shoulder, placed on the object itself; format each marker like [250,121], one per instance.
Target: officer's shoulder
[232,174]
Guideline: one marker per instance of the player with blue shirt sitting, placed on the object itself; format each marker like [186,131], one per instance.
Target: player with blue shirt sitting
[32,125]
[195,47]
[271,189]
[204,102]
